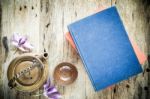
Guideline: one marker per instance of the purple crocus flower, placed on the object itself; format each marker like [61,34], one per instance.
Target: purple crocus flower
[21,43]
[50,91]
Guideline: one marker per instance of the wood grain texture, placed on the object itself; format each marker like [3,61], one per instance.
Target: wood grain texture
[45,23]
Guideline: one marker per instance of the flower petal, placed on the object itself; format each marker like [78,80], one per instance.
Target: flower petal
[51,90]
[15,37]
[27,45]
[15,43]
[22,40]
[55,95]
[47,84]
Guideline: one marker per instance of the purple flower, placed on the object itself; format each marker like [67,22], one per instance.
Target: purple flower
[21,43]
[50,91]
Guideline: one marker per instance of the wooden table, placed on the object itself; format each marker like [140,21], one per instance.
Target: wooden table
[45,23]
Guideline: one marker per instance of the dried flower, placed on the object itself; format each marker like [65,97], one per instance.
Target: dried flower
[50,91]
[21,43]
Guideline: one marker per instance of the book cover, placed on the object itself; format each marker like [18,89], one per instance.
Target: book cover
[140,55]
[105,48]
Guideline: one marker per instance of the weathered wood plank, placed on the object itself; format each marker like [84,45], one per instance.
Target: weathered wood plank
[134,17]
[18,17]
[1,83]
[45,22]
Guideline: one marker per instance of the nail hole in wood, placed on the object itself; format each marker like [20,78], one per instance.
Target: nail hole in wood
[147,70]
[146,88]
[114,90]
[32,7]
[20,8]
[25,6]
[47,25]
[127,86]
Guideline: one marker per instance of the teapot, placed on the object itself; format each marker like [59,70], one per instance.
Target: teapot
[28,72]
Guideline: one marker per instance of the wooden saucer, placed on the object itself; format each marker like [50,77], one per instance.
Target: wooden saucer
[65,74]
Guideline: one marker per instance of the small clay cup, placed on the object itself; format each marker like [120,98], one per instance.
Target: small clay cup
[65,73]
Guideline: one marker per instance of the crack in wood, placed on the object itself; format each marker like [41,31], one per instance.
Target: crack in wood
[25,6]
[47,6]
[20,8]
[47,25]
[32,7]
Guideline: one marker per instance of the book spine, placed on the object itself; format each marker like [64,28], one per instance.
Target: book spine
[80,53]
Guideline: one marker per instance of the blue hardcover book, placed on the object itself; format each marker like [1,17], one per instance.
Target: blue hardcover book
[105,49]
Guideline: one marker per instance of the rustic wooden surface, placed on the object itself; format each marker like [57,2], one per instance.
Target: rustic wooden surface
[45,23]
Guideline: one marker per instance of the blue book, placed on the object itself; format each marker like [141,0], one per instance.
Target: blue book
[105,48]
